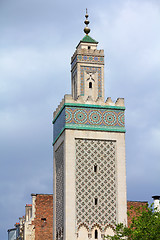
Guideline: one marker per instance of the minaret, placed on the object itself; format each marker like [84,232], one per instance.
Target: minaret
[88,68]
[89,152]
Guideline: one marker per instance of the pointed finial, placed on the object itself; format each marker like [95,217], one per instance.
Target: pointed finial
[86,29]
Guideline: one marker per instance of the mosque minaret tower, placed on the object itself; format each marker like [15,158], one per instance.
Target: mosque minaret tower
[89,152]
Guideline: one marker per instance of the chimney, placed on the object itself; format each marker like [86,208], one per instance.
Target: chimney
[28,211]
[156,203]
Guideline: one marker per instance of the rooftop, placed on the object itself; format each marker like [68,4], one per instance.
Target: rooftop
[88,39]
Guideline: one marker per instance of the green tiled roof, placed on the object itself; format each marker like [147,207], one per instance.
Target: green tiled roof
[88,39]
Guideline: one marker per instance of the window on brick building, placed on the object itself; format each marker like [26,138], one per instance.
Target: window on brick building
[43,222]
[43,219]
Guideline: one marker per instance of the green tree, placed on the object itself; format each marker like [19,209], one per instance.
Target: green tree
[144,226]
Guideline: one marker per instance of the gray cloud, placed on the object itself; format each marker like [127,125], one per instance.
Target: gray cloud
[37,41]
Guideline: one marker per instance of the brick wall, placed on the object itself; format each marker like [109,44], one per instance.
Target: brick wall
[43,221]
[131,206]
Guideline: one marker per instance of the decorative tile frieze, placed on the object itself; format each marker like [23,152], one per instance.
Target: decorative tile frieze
[88,59]
[100,117]
[59,124]
[91,118]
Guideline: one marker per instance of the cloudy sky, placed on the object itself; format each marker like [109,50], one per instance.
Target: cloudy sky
[37,40]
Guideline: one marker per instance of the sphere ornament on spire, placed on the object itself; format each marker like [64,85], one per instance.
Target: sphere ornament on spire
[86,29]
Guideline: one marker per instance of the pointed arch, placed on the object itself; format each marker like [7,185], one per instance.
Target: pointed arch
[96,225]
[83,225]
[109,230]
[82,232]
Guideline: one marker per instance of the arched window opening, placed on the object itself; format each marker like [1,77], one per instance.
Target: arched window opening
[89,47]
[96,234]
[95,168]
[90,84]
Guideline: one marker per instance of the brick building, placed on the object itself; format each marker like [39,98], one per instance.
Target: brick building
[37,224]
[43,220]
[132,206]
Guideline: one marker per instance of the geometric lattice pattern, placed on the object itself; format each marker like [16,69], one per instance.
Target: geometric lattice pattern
[95,181]
[88,59]
[96,69]
[59,192]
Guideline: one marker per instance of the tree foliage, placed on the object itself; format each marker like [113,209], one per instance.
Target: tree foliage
[145,225]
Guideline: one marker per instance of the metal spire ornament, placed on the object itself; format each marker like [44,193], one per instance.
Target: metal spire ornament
[86,29]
